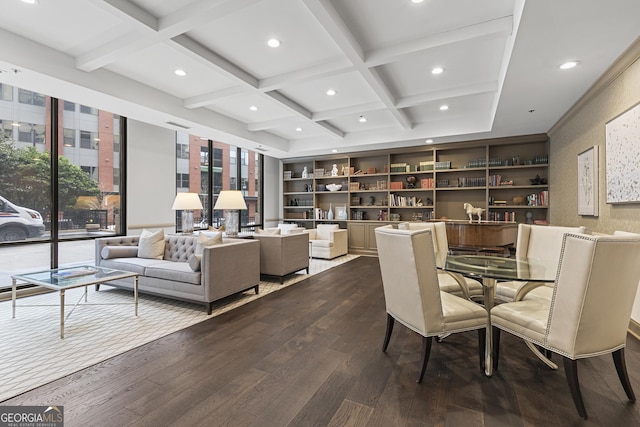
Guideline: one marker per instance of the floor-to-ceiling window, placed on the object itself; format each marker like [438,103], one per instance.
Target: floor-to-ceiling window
[60,180]
[207,167]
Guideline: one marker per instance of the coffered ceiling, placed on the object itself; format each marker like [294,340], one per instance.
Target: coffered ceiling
[500,62]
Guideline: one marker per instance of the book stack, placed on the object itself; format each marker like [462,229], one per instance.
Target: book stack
[288,175]
[399,167]
[425,166]
[443,165]
[426,183]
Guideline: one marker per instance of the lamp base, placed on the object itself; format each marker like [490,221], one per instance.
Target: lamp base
[231,222]
[187,222]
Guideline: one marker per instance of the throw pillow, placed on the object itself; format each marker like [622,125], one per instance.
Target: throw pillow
[194,262]
[271,231]
[109,252]
[287,228]
[212,228]
[207,238]
[151,244]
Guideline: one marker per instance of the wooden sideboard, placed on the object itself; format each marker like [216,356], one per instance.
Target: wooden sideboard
[481,237]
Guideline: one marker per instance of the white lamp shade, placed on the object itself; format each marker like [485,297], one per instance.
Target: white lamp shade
[186,201]
[230,200]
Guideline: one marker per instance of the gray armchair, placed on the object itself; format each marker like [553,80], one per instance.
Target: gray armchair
[412,294]
[590,310]
[283,254]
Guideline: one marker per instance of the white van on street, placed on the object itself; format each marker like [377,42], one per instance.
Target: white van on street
[18,223]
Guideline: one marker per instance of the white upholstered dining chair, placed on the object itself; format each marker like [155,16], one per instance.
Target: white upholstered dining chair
[535,241]
[589,312]
[413,296]
[450,282]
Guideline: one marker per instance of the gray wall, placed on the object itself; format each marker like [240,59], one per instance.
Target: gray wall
[272,191]
[582,128]
[151,177]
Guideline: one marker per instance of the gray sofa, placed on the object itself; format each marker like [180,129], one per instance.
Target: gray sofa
[224,269]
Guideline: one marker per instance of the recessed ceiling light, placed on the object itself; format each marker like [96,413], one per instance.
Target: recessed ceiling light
[253,108]
[298,129]
[429,141]
[417,1]
[444,107]
[180,72]
[362,119]
[569,64]
[331,92]
[437,70]
[30,1]
[274,43]
[335,150]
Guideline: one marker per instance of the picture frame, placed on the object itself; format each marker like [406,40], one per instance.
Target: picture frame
[622,153]
[341,213]
[588,182]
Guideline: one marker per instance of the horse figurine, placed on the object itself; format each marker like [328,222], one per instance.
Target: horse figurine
[471,211]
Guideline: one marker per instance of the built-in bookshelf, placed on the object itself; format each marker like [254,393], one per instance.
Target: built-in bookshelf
[506,177]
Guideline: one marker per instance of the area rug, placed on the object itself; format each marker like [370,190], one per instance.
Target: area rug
[32,353]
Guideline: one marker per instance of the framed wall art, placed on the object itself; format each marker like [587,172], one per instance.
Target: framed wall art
[341,213]
[623,157]
[588,182]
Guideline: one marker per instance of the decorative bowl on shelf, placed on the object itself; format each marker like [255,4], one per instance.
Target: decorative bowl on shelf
[334,187]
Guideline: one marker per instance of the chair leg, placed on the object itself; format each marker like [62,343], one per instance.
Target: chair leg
[621,368]
[387,335]
[571,371]
[496,347]
[426,351]
[482,342]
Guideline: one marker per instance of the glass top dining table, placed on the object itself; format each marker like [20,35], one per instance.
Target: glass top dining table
[489,270]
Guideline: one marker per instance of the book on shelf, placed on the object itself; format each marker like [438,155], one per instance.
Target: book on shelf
[425,166]
[426,183]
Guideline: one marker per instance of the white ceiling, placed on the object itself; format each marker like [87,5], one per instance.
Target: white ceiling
[500,60]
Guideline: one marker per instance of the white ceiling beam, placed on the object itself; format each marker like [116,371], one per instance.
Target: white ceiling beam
[331,129]
[324,69]
[213,97]
[129,12]
[496,27]
[300,111]
[200,13]
[148,30]
[410,101]
[330,20]
[269,124]
[345,111]
[212,59]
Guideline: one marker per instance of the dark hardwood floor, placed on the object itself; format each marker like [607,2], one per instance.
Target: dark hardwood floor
[310,355]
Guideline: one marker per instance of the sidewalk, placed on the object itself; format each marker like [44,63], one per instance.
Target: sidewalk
[16,259]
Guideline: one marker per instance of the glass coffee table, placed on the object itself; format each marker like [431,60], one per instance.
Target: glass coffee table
[61,279]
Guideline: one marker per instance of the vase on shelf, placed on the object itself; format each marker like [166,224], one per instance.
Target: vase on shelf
[330,214]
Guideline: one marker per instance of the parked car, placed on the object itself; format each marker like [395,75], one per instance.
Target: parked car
[18,223]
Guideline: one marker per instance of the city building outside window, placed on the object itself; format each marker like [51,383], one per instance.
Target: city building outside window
[87,185]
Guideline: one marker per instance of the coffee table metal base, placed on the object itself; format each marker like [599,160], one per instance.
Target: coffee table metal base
[14,285]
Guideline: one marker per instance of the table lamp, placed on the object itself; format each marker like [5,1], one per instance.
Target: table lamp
[187,202]
[231,201]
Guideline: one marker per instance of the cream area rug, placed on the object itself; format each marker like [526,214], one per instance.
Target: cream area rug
[32,353]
